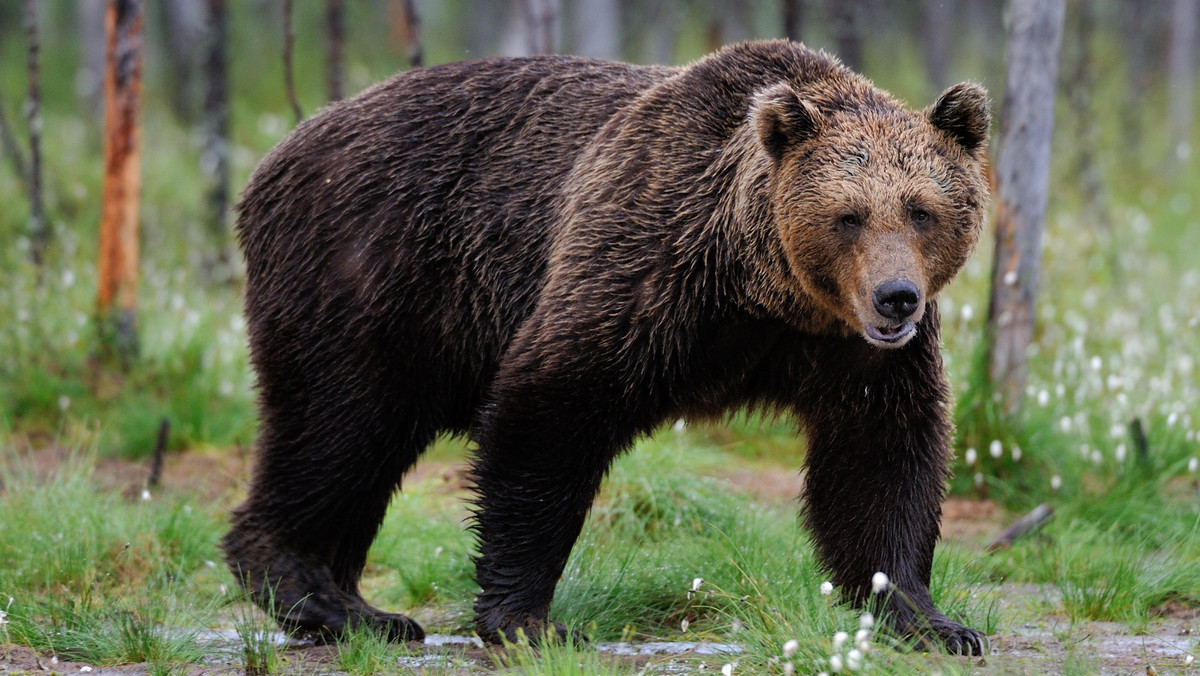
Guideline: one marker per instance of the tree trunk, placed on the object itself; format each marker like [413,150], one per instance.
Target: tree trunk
[289,74]
[793,19]
[118,268]
[1079,87]
[1181,75]
[89,82]
[11,148]
[406,24]
[39,233]
[597,28]
[845,23]
[214,161]
[1142,26]
[1022,173]
[541,25]
[335,27]
[937,29]
[182,23]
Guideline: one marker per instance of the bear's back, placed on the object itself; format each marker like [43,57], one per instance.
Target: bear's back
[418,213]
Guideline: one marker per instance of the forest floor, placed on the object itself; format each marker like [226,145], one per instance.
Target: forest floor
[1028,641]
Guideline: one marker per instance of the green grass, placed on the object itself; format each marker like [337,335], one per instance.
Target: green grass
[97,578]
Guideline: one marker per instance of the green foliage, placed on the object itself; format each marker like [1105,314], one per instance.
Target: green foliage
[95,578]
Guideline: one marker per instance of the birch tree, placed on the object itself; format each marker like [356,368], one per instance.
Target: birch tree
[1023,175]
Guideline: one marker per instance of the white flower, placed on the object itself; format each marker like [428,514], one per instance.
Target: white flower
[970,456]
[790,648]
[967,312]
[696,582]
[1055,482]
[145,495]
[1119,452]
[64,402]
[866,621]
[827,586]
[839,640]
[879,582]
[727,670]
[1193,464]
[680,425]
[1043,398]
[862,639]
[1016,453]
[684,625]
[835,663]
[996,449]
[854,660]
[1187,661]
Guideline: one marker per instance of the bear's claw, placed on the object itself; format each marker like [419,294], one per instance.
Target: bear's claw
[957,639]
[531,630]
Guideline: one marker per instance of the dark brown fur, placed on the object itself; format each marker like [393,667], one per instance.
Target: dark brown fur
[554,256]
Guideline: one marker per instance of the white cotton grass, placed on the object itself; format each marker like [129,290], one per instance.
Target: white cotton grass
[846,653]
[866,621]
[826,588]
[879,582]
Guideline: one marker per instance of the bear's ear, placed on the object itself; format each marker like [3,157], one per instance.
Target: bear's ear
[964,112]
[782,119]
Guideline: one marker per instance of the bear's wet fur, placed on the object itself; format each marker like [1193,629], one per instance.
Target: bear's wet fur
[554,256]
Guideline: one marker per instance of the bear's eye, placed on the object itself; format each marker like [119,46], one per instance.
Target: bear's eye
[850,221]
[920,216]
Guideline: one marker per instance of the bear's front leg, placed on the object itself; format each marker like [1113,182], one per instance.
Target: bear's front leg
[877,465]
[546,439]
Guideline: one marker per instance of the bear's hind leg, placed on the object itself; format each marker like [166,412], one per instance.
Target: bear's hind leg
[299,542]
[544,446]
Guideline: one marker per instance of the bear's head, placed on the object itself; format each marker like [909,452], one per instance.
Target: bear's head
[877,207]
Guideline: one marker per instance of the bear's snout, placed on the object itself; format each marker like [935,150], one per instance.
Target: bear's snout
[898,306]
[897,299]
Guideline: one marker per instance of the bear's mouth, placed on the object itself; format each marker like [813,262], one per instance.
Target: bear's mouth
[890,336]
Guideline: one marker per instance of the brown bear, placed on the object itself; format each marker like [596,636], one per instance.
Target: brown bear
[554,256]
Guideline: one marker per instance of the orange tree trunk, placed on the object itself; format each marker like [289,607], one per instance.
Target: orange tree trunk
[118,266]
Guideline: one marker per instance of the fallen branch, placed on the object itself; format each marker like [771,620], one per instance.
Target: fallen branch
[1023,526]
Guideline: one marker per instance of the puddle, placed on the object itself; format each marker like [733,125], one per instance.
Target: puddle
[651,648]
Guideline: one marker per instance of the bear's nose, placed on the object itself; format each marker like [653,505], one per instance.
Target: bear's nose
[897,299]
